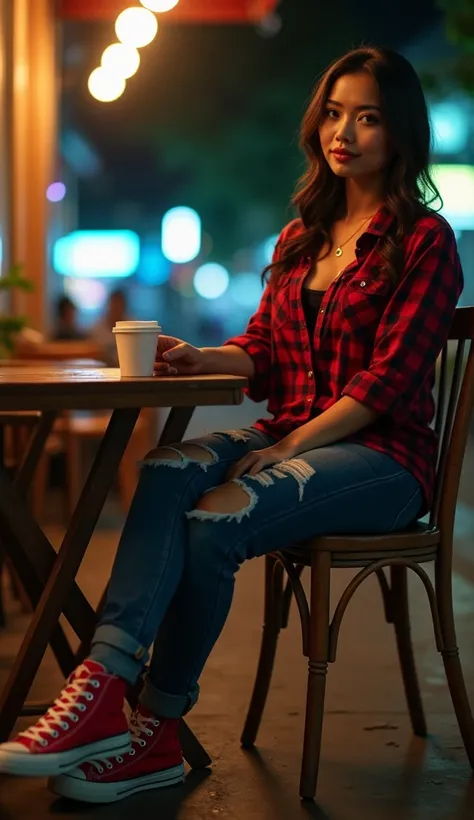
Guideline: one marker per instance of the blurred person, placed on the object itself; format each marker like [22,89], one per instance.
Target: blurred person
[116,310]
[66,326]
[362,291]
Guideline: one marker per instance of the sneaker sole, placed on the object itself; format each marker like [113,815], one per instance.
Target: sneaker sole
[76,788]
[26,764]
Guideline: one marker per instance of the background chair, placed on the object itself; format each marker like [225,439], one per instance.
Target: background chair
[15,431]
[74,430]
[399,551]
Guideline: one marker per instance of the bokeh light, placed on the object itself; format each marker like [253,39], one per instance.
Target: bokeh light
[56,192]
[88,294]
[181,234]
[159,5]
[450,122]
[105,86]
[270,25]
[136,27]
[456,186]
[246,289]
[120,59]
[97,254]
[154,268]
[211,280]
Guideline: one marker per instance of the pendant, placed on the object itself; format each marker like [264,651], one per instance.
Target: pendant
[338,251]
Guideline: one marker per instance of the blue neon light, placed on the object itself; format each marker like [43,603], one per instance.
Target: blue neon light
[97,254]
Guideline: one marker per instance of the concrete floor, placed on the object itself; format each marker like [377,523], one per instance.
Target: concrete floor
[372,768]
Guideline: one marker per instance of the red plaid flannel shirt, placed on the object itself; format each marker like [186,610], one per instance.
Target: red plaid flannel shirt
[371,341]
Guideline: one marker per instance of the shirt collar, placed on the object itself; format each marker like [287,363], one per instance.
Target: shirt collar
[380,222]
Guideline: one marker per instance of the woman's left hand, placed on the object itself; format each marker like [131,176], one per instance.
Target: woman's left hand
[257,460]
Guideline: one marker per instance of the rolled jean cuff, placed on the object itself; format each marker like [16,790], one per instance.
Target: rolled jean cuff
[120,652]
[164,705]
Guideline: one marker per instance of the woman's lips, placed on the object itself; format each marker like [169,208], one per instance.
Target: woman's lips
[343,156]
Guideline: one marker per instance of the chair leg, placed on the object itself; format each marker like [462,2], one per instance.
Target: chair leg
[287,596]
[2,573]
[451,660]
[401,622]
[457,688]
[271,629]
[317,671]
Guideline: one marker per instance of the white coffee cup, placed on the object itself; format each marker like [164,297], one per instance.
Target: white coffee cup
[136,347]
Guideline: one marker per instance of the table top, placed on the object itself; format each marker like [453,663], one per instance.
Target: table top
[56,387]
[32,364]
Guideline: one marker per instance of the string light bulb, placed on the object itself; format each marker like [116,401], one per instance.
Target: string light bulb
[120,59]
[105,86]
[136,27]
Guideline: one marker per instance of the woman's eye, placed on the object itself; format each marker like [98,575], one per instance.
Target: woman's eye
[369,119]
[332,113]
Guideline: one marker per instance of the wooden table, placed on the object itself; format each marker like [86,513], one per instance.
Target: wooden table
[20,424]
[49,577]
[63,363]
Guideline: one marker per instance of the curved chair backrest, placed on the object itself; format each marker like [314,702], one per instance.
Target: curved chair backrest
[455,402]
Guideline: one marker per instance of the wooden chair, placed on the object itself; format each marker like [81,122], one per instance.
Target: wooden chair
[400,551]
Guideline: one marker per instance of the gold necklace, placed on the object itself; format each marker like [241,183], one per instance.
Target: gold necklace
[339,248]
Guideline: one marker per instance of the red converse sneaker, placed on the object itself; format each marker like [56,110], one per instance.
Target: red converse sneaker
[85,721]
[155,760]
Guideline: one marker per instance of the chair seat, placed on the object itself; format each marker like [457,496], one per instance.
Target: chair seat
[419,542]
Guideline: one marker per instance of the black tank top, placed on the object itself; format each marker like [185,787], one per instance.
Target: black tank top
[311,300]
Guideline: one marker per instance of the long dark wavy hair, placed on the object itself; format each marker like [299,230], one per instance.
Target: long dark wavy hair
[409,190]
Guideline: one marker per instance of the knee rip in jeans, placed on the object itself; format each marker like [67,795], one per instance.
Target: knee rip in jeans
[212,507]
[180,458]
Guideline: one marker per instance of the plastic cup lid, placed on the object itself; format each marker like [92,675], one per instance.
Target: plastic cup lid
[136,327]
[131,324]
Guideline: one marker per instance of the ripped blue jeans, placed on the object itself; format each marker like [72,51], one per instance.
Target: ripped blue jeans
[173,578]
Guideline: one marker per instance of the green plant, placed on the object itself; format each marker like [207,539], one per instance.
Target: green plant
[11,325]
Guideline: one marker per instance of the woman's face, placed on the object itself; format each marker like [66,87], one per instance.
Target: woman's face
[353,136]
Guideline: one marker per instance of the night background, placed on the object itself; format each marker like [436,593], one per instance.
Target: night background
[164,203]
[210,121]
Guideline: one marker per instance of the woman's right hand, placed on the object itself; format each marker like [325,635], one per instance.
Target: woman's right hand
[175,357]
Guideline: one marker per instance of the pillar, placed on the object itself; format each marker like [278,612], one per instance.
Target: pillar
[32,101]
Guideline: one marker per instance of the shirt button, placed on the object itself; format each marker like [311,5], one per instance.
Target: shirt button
[363,283]
[322,310]
[309,398]
[310,374]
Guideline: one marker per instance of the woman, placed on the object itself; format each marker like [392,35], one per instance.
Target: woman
[362,292]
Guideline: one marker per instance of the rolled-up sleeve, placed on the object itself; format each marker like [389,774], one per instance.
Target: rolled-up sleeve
[414,327]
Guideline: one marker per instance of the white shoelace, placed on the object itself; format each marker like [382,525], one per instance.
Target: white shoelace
[62,708]
[138,726]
